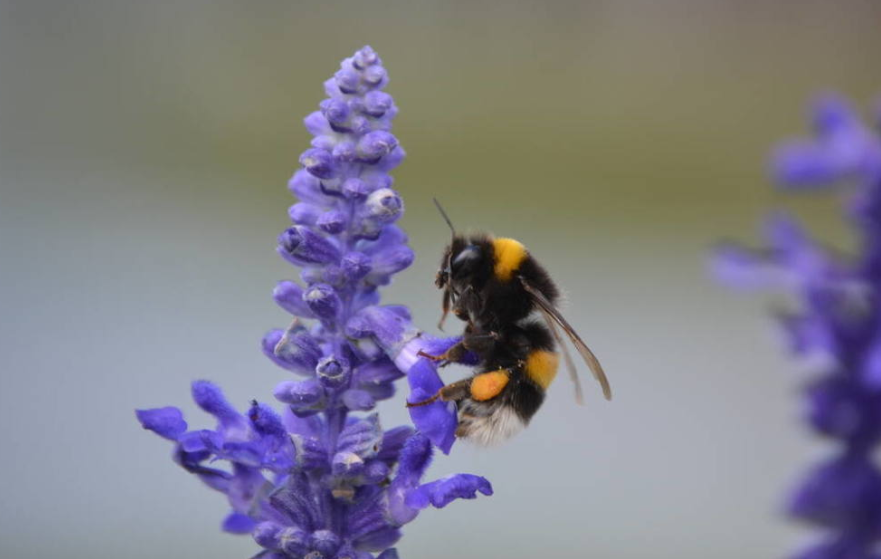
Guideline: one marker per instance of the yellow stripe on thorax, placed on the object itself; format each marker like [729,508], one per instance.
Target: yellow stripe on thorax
[509,255]
[541,367]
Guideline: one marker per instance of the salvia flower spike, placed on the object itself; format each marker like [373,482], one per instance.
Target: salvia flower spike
[835,328]
[323,479]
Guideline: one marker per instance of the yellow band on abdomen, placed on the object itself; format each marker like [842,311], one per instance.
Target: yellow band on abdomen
[541,367]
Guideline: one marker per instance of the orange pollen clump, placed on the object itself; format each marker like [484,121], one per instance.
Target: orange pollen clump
[488,385]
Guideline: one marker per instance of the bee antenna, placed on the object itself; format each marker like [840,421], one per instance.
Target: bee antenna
[444,215]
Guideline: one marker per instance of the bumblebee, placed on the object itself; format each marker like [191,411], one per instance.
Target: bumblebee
[500,290]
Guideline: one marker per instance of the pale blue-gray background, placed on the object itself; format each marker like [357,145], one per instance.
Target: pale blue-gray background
[144,149]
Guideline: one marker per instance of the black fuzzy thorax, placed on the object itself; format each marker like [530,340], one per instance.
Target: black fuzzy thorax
[500,302]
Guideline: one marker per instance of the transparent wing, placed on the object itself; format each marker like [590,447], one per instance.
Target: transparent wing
[554,318]
[567,357]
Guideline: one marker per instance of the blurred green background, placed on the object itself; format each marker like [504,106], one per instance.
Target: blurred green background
[144,151]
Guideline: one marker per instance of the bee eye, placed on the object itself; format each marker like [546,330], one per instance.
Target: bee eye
[465,262]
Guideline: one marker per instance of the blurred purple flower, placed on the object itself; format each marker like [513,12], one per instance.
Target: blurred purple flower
[317,481]
[837,325]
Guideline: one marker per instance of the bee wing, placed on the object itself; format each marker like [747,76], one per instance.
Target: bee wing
[554,318]
[567,357]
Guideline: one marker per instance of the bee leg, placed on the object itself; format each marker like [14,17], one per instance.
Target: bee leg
[445,306]
[432,357]
[453,355]
[471,298]
[467,305]
[456,391]
[480,343]
[424,402]
[470,343]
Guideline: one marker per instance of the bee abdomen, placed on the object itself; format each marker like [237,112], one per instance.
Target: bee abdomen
[488,423]
[541,367]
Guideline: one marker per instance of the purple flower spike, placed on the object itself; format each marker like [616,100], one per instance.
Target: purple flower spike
[323,480]
[836,325]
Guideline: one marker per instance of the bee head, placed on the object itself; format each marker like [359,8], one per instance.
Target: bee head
[464,262]
[456,267]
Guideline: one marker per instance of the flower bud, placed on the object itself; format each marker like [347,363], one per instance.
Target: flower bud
[389,262]
[365,57]
[316,124]
[302,394]
[332,222]
[301,245]
[374,76]
[356,265]
[356,189]
[347,80]
[361,125]
[293,349]
[336,111]
[304,213]
[323,301]
[289,296]
[391,160]
[306,187]
[345,152]
[384,206]
[319,163]
[376,103]
[375,145]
